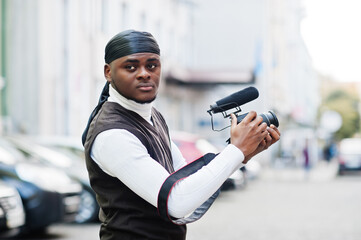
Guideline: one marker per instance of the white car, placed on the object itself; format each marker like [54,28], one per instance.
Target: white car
[12,214]
[349,157]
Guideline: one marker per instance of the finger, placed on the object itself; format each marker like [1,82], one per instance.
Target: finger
[268,138]
[269,141]
[263,135]
[263,143]
[258,120]
[233,120]
[273,133]
[276,129]
[263,127]
[250,116]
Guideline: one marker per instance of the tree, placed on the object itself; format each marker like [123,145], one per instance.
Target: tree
[345,102]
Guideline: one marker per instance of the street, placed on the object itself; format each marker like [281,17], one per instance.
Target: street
[282,204]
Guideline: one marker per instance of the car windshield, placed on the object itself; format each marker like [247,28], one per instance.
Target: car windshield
[37,153]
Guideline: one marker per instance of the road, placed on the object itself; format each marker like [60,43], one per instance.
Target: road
[287,205]
[282,204]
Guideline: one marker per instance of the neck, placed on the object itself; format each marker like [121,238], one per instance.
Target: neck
[143,109]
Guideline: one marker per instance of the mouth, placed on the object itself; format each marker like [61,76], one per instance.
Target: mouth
[146,87]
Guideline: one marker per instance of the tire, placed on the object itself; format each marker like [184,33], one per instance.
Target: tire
[89,208]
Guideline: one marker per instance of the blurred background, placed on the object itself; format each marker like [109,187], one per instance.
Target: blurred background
[301,55]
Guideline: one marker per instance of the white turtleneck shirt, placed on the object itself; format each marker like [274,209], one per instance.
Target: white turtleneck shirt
[129,161]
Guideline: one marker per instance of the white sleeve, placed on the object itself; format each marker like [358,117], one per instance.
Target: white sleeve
[189,193]
[178,159]
[130,162]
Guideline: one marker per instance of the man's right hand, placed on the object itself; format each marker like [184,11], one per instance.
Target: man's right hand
[249,133]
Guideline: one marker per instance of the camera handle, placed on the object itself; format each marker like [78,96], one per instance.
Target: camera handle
[225,115]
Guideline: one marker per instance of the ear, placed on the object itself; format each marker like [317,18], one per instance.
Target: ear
[108,72]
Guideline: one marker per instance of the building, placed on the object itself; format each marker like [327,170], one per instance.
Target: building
[52,60]
[53,55]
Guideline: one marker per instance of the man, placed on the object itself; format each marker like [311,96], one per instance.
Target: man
[130,157]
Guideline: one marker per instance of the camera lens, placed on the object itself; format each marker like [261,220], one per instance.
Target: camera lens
[270,118]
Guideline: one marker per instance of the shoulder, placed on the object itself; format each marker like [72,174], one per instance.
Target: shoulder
[121,136]
[157,115]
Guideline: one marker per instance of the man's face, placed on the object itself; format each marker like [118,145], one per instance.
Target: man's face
[135,76]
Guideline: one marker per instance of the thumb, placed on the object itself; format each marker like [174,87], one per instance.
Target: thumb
[234,120]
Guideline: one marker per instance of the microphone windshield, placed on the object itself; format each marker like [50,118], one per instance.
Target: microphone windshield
[234,100]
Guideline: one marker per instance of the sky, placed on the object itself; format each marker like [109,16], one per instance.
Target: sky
[332,33]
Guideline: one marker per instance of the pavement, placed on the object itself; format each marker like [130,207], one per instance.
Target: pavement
[287,203]
[322,171]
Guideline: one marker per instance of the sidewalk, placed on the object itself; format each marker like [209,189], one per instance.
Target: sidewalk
[323,171]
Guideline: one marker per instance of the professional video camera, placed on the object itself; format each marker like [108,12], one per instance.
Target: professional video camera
[234,101]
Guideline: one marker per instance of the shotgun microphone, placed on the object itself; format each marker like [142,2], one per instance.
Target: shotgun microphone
[235,100]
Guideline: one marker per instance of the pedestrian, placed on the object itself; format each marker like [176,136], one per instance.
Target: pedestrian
[143,186]
[306,157]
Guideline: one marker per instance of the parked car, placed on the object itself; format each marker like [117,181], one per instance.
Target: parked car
[349,155]
[62,143]
[3,226]
[59,154]
[12,215]
[192,147]
[48,195]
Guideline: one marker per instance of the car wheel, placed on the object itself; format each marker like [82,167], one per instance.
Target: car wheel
[88,210]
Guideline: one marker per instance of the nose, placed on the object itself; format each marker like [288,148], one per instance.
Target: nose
[143,74]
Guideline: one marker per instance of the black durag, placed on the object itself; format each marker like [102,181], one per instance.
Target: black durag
[123,44]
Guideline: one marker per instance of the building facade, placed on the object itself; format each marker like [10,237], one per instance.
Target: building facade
[53,64]
[52,60]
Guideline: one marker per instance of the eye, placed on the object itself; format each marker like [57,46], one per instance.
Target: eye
[130,67]
[152,65]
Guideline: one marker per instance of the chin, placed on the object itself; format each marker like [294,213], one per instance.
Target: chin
[145,100]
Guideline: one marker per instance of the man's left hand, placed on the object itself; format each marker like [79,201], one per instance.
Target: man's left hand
[272,137]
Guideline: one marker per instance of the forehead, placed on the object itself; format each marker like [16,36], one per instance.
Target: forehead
[137,57]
